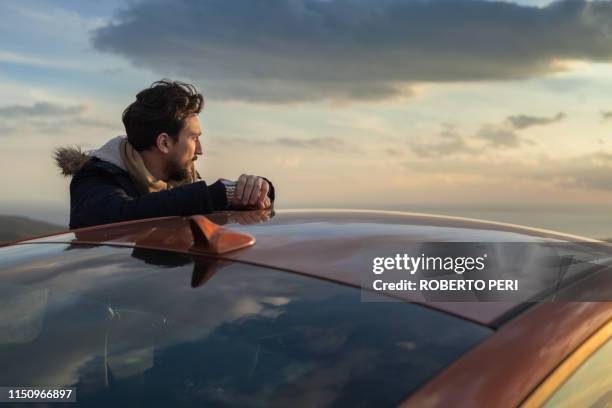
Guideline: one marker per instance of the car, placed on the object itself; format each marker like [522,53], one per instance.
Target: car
[262,308]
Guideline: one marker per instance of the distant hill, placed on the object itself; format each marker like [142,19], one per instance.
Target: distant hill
[15,227]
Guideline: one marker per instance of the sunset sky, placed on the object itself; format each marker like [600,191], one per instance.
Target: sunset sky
[411,105]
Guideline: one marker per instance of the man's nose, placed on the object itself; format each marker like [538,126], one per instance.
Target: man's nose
[199,149]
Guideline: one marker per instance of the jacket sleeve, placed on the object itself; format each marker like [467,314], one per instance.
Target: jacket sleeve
[99,199]
[271,192]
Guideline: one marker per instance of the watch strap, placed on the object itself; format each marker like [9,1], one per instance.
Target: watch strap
[230,190]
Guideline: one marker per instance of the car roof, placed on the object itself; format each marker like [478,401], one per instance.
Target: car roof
[326,244]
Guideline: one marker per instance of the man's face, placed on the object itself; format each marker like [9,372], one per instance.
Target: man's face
[185,150]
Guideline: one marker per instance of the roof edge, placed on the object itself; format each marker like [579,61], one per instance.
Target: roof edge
[569,237]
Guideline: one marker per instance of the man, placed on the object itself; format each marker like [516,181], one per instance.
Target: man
[151,173]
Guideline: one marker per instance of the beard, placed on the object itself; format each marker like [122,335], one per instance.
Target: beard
[180,173]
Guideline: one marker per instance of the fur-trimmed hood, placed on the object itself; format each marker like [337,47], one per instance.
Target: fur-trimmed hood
[71,159]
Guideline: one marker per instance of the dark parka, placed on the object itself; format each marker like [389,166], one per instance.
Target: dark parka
[102,193]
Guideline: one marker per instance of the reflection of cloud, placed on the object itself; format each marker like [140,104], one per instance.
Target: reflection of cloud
[131,362]
[321,387]
[525,121]
[78,278]
[144,328]
[244,307]
[276,300]
[22,312]
[307,50]
[325,341]
[316,384]
[407,345]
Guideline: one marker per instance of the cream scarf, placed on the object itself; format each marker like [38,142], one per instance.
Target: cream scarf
[140,175]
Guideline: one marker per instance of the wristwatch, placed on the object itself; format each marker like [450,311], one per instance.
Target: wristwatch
[230,190]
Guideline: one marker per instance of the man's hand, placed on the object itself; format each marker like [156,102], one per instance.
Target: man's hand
[251,193]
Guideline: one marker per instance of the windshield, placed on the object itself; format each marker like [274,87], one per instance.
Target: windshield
[133,327]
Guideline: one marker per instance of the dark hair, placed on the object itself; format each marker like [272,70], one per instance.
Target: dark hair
[161,108]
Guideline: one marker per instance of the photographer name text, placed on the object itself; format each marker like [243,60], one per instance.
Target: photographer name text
[457,265]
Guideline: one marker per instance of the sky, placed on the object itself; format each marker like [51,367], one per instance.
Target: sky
[490,109]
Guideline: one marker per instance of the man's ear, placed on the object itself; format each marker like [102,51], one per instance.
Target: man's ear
[163,142]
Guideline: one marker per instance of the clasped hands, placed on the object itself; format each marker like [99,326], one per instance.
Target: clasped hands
[251,193]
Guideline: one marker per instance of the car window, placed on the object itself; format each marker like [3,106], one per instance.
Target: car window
[131,327]
[590,385]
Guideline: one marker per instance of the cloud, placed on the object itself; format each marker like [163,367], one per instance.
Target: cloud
[293,91]
[326,143]
[525,121]
[448,142]
[504,135]
[393,152]
[499,136]
[582,172]
[45,118]
[589,171]
[323,143]
[15,58]
[40,109]
[606,115]
[489,136]
[311,50]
